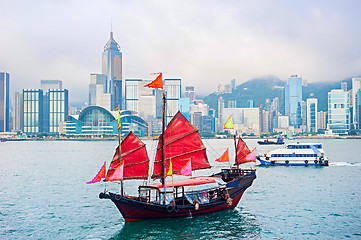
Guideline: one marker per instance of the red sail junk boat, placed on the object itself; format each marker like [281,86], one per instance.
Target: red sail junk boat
[180,150]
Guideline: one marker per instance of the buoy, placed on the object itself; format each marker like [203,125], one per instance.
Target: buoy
[169,208]
[176,208]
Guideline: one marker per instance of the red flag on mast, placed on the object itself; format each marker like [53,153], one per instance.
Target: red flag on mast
[224,157]
[99,176]
[118,174]
[157,83]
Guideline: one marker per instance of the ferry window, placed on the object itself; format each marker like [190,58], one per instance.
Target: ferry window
[308,155]
[296,146]
[308,146]
[282,155]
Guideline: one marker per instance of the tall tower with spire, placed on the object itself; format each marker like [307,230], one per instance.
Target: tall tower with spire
[112,68]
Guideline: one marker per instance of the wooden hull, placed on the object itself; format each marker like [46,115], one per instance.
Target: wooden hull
[132,209]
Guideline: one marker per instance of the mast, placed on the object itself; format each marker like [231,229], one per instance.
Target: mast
[235,148]
[163,130]
[120,150]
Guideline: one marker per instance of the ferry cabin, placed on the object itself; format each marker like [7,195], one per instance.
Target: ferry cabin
[297,153]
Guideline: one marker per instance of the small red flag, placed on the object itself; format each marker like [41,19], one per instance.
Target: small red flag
[99,176]
[157,83]
[118,174]
[224,157]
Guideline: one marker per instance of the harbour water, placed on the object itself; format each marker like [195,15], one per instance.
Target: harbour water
[44,195]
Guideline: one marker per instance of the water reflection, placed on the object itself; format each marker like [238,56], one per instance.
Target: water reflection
[233,224]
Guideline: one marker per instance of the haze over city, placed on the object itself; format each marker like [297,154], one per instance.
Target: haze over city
[204,43]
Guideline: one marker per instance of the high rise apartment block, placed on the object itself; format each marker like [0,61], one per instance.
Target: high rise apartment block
[321,120]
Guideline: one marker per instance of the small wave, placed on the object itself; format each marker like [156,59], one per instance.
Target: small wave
[344,164]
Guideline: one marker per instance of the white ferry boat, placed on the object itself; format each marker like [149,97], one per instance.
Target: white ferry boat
[296,154]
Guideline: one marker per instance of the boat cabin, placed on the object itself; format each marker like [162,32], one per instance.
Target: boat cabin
[183,192]
[304,146]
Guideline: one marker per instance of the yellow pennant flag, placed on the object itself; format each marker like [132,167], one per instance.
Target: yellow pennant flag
[170,171]
[119,124]
[228,124]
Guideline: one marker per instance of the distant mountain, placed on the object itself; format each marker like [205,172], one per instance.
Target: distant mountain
[269,87]
[320,91]
[257,89]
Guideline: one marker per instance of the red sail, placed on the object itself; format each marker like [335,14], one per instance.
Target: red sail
[242,151]
[134,156]
[182,142]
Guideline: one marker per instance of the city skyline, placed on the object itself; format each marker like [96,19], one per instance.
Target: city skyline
[203,43]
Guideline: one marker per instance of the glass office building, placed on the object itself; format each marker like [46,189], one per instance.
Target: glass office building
[293,100]
[4,101]
[112,68]
[311,114]
[33,104]
[58,108]
[172,87]
[338,112]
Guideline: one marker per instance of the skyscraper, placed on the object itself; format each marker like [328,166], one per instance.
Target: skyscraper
[58,108]
[338,111]
[293,100]
[233,84]
[112,68]
[18,111]
[321,120]
[356,85]
[146,101]
[50,84]
[97,92]
[189,93]
[33,110]
[172,88]
[4,101]
[311,113]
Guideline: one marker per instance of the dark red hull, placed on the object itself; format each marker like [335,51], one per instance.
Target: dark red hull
[132,209]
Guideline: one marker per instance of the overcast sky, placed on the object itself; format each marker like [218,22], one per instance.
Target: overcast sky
[204,43]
